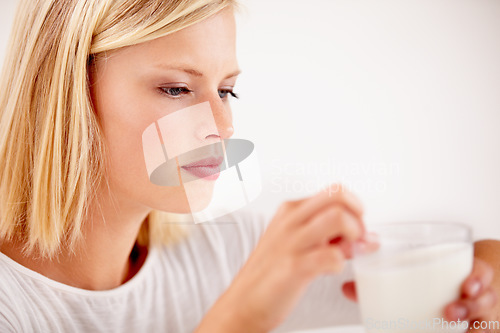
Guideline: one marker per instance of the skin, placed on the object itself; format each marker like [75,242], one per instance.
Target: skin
[489,252]
[131,88]
[128,96]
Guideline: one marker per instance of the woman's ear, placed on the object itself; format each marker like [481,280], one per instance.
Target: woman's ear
[94,64]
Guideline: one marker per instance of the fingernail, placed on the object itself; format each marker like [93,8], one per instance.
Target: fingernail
[473,288]
[360,247]
[371,237]
[458,311]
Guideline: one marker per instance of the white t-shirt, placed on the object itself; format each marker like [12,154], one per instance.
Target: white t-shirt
[172,291]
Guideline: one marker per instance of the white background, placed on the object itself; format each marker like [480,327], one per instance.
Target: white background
[399,99]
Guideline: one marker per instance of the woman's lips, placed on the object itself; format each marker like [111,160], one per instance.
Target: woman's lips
[207,168]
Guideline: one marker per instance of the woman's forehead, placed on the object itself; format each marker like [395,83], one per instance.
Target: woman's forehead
[209,43]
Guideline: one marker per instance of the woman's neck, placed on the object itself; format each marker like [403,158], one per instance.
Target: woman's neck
[107,257]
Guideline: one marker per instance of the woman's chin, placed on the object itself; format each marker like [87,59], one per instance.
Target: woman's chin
[193,198]
[199,194]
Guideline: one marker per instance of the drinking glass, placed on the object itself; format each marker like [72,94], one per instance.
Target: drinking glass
[418,269]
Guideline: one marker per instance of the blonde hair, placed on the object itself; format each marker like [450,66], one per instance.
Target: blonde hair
[52,155]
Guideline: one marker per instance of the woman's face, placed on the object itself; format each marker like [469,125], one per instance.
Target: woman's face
[135,86]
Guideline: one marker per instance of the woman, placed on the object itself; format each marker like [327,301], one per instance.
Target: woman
[80,221]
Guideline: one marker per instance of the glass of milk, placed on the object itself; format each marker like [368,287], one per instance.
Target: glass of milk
[419,268]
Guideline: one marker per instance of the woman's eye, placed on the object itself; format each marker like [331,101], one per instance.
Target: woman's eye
[176,91]
[224,92]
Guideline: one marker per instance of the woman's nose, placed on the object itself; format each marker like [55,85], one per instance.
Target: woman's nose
[223,118]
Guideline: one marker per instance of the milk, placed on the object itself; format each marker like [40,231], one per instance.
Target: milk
[407,290]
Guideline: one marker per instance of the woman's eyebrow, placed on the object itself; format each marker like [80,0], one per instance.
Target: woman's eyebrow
[194,72]
[233,74]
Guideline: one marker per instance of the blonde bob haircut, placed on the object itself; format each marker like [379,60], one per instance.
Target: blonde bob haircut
[52,156]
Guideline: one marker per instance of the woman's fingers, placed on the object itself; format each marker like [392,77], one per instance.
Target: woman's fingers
[478,297]
[322,260]
[293,251]
[479,280]
[368,243]
[471,308]
[330,223]
[334,195]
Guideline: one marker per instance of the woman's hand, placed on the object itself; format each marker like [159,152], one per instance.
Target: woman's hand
[306,238]
[477,300]
[478,297]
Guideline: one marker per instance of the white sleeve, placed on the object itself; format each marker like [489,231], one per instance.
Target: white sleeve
[5,326]
[323,304]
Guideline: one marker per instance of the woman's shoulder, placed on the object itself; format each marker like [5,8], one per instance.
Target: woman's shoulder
[8,276]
